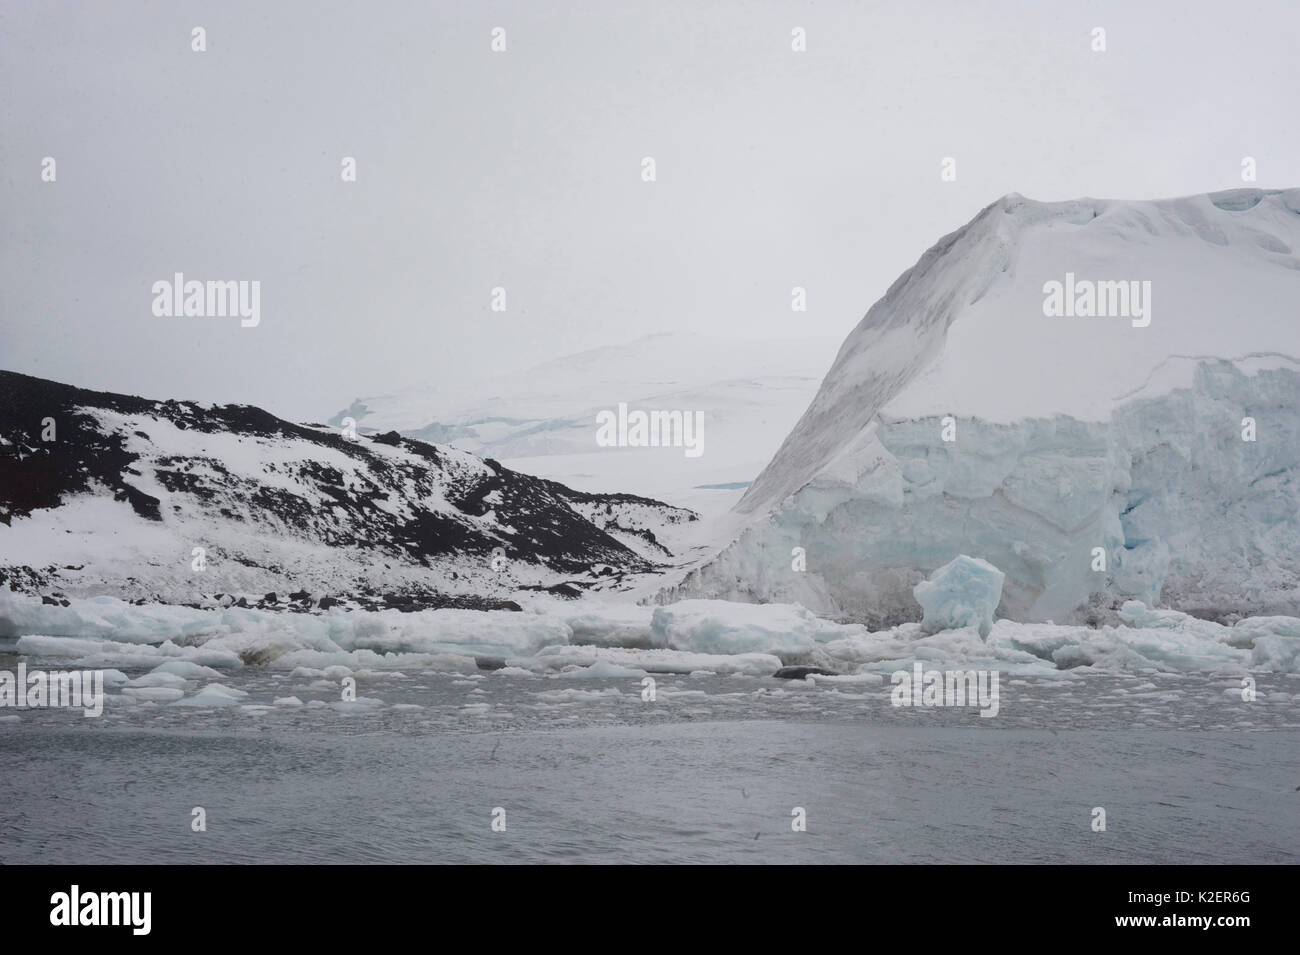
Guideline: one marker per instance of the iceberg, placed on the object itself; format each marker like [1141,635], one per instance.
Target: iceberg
[962,593]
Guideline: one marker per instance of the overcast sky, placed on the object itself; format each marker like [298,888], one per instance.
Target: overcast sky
[523,169]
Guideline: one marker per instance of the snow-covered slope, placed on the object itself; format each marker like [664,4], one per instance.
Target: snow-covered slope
[122,496]
[543,420]
[1122,432]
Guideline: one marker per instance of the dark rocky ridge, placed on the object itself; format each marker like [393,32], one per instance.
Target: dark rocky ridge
[385,520]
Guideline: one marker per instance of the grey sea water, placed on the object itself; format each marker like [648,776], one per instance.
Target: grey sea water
[587,771]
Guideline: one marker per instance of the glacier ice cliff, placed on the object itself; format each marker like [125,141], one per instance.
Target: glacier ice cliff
[1091,461]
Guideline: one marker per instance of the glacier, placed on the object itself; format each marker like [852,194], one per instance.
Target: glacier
[1091,461]
[542,420]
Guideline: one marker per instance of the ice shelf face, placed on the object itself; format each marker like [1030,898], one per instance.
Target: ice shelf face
[1091,459]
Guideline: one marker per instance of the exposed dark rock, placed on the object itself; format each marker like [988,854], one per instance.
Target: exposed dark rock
[420,512]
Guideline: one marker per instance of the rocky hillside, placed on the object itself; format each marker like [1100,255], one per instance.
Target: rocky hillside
[182,502]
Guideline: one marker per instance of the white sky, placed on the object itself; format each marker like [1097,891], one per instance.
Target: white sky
[522,169]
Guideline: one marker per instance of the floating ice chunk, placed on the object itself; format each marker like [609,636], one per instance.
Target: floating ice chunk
[453,631]
[159,679]
[360,703]
[90,627]
[652,661]
[287,701]
[1252,628]
[1277,653]
[314,660]
[612,625]
[154,694]
[1139,615]
[1195,646]
[96,653]
[1177,651]
[187,669]
[214,695]
[603,668]
[571,695]
[723,627]
[962,593]
[839,679]
[98,617]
